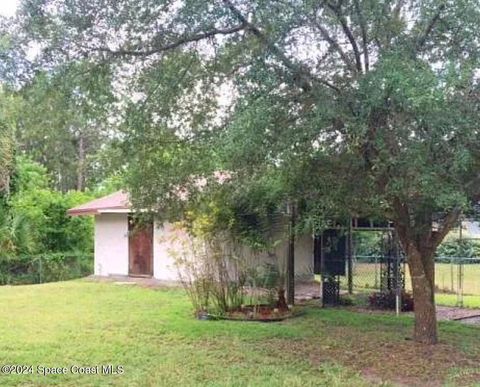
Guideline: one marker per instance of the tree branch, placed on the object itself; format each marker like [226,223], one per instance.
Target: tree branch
[398,9]
[421,40]
[303,77]
[180,42]
[450,219]
[401,219]
[364,35]
[348,33]
[334,44]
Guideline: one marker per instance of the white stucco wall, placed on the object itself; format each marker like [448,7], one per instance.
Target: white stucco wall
[304,256]
[169,242]
[165,242]
[111,244]
[111,249]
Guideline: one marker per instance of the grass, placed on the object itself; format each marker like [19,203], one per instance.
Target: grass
[446,277]
[367,275]
[451,300]
[152,334]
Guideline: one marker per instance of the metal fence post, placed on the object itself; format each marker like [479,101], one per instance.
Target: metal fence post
[350,258]
[398,289]
[451,275]
[460,284]
[291,256]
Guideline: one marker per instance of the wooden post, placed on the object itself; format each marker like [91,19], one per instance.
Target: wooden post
[291,257]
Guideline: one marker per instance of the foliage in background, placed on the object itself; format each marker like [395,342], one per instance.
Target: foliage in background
[45,212]
[460,248]
[16,237]
[53,229]
[368,243]
[8,116]
[41,268]
[39,242]
[64,124]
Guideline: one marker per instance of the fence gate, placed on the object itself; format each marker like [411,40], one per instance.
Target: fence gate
[330,257]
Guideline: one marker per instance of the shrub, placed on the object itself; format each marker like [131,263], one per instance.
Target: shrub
[463,248]
[347,300]
[219,276]
[53,230]
[19,270]
[387,300]
[15,234]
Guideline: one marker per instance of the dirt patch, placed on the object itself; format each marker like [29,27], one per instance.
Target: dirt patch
[444,313]
[146,282]
[475,320]
[458,314]
[380,358]
[306,291]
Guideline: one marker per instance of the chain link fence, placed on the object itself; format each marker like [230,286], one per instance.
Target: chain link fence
[456,278]
[35,269]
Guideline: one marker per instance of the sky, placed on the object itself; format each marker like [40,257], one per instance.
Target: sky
[8,7]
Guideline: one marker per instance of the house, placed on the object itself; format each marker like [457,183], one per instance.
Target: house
[471,228]
[122,248]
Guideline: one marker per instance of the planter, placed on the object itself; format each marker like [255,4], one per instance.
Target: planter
[262,313]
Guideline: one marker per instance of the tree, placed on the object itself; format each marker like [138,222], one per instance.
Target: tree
[357,106]
[8,105]
[65,122]
[38,215]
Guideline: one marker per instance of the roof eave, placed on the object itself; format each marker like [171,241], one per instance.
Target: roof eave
[90,211]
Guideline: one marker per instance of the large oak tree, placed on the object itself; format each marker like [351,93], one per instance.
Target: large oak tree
[371,105]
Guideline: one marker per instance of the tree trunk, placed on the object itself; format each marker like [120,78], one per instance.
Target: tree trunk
[81,164]
[282,302]
[420,241]
[422,271]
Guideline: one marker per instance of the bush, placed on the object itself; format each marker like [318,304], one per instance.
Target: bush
[211,280]
[45,212]
[463,248]
[347,300]
[218,278]
[53,230]
[387,301]
[36,234]
[20,270]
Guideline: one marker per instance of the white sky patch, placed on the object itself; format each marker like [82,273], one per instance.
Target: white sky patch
[8,7]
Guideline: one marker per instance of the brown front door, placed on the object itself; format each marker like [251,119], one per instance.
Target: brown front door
[140,248]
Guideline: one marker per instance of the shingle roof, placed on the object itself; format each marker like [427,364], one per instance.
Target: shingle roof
[115,202]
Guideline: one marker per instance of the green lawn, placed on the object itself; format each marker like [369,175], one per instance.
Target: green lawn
[152,334]
[446,277]
[452,300]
